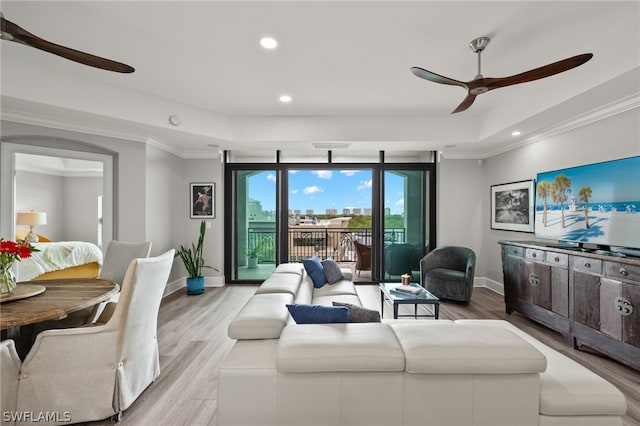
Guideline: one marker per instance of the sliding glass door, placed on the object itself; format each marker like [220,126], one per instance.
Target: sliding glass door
[405,222]
[254,254]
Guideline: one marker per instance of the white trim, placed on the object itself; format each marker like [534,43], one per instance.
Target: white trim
[605,111]
[492,285]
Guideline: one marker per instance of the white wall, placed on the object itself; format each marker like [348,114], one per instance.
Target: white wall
[460,203]
[80,204]
[463,183]
[205,170]
[42,193]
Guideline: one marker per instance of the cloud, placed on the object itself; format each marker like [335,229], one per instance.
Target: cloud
[365,184]
[312,189]
[349,172]
[271,177]
[293,171]
[323,174]
[294,191]
[400,203]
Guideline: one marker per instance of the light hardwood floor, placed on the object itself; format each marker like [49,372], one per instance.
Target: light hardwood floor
[193,340]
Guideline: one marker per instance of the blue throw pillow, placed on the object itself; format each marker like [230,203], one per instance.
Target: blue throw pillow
[315,271]
[318,314]
[332,271]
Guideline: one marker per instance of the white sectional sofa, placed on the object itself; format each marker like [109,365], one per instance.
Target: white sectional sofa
[397,372]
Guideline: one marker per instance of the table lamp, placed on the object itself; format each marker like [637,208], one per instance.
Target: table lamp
[32,219]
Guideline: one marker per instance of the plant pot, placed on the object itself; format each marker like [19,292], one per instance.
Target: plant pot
[252,263]
[195,285]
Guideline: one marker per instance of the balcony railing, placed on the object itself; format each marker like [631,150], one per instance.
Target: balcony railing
[322,242]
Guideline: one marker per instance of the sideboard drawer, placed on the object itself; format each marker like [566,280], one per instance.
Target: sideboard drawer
[622,271]
[533,254]
[514,251]
[557,259]
[586,264]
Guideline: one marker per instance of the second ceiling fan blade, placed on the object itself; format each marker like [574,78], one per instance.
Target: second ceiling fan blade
[466,103]
[538,73]
[15,33]
[436,78]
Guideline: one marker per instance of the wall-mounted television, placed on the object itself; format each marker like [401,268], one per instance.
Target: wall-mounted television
[595,204]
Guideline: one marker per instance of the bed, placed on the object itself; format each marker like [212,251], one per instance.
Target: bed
[62,259]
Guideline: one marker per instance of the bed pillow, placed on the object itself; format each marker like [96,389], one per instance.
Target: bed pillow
[360,314]
[315,271]
[331,271]
[318,314]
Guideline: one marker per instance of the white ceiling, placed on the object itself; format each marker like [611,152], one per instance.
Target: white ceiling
[346,65]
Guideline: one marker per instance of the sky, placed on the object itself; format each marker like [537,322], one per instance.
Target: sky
[326,189]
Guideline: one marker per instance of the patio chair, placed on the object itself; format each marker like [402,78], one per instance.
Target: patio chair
[363,257]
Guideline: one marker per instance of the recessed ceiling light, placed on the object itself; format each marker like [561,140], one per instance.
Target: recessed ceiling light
[515,133]
[285,99]
[268,42]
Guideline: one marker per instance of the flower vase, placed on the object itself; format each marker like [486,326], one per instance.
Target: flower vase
[7,279]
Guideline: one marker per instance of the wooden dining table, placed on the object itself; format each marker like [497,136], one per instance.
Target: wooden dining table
[59,298]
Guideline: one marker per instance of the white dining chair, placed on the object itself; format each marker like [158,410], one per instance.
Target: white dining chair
[96,372]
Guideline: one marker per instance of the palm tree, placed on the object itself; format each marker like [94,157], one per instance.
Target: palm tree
[561,189]
[584,195]
[544,190]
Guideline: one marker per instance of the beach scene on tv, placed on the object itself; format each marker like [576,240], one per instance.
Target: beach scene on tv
[596,204]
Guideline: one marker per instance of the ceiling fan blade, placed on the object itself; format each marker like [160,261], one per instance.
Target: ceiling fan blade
[468,101]
[436,78]
[538,73]
[15,33]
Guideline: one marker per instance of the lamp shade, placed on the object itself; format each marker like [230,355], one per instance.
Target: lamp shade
[31,218]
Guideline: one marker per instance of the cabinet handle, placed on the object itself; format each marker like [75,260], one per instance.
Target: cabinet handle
[623,306]
[533,255]
[623,272]
[556,259]
[587,265]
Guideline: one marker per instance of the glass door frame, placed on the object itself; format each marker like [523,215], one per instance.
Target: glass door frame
[282,204]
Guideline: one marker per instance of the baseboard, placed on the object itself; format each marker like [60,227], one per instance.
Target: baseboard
[489,283]
[181,283]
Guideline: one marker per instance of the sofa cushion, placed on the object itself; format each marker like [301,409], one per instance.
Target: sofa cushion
[339,347]
[289,268]
[315,271]
[318,314]
[358,313]
[340,287]
[447,348]
[262,317]
[344,298]
[331,271]
[566,387]
[280,283]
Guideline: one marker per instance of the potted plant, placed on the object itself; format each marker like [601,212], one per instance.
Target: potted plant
[252,253]
[194,262]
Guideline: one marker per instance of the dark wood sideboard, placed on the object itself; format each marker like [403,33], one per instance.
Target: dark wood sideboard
[591,298]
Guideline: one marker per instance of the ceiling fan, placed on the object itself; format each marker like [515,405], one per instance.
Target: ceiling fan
[480,84]
[15,33]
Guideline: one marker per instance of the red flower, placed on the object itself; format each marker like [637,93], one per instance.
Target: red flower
[11,251]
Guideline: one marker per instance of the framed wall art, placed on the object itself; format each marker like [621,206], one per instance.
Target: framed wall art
[203,195]
[512,206]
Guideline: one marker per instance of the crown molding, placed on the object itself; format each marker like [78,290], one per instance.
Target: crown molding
[620,106]
[68,125]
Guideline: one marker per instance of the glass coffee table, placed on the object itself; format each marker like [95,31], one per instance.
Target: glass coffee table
[395,298]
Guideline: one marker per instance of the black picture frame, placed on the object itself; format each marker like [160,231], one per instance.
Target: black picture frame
[202,196]
[513,206]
